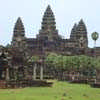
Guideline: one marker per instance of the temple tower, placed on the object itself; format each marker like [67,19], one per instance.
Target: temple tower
[48,28]
[18,44]
[79,34]
[19,50]
[73,32]
[18,39]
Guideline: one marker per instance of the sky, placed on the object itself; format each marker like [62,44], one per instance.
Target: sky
[67,12]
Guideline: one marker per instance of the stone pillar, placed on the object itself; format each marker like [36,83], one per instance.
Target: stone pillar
[34,72]
[7,74]
[3,74]
[98,74]
[41,72]
[16,72]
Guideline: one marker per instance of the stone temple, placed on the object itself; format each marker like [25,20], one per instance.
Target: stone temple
[49,40]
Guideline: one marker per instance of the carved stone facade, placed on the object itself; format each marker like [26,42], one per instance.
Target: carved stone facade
[48,39]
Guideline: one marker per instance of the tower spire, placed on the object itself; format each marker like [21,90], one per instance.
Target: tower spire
[73,32]
[48,27]
[48,19]
[82,37]
[81,29]
[19,27]
[19,34]
[48,7]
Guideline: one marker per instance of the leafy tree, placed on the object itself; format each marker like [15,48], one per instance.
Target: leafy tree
[84,64]
[97,67]
[33,59]
[97,63]
[50,59]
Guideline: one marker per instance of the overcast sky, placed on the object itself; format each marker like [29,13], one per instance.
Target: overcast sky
[66,12]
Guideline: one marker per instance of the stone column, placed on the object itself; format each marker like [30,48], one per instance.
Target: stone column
[7,74]
[34,72]
[16,72]
[98,74]
[41,72]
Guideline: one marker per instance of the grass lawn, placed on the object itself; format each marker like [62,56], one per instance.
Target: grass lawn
[59,91]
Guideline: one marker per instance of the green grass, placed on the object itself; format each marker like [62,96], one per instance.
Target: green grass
[59,91]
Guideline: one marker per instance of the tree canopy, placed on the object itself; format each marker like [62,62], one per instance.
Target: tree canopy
[81,62]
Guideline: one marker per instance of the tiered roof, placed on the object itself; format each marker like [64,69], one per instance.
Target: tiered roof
[48,19]
[19,27]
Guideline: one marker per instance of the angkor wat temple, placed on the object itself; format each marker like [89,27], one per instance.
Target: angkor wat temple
[48,40]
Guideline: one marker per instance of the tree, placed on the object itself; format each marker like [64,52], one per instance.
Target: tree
[33,59]
[50,59]
[85,65]
[97,67]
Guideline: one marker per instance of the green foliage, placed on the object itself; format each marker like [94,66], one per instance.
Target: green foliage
[50,59]
[33,59]
[95,36]
[97,63]
[81,62]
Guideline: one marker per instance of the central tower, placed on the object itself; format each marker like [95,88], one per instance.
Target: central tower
[48,28]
